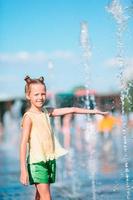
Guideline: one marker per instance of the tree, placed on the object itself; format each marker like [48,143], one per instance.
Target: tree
[128,104]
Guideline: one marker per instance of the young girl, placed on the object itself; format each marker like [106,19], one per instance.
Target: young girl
[38,158]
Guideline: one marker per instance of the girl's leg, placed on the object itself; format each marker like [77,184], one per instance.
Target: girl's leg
[44,191]
[37,196]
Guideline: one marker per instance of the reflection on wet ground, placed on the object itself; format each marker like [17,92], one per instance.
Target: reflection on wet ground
[10,188]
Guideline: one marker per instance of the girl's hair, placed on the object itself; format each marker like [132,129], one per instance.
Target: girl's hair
[30,81]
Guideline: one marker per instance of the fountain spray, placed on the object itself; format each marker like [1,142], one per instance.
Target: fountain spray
[118,12]
[86,56]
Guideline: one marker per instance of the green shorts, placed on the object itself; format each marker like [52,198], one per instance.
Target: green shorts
[42,172]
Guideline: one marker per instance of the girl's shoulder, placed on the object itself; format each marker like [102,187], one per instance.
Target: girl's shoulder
[26,116]
[27,113]
[30,114]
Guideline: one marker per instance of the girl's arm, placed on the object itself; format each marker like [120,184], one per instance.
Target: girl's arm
[23,149]
[74,110]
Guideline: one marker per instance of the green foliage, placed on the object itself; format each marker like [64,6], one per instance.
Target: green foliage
[128,103]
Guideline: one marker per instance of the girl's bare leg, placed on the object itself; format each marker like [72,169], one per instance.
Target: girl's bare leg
[37,196]
[44,191]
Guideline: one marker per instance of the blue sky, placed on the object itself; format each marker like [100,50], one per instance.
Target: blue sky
[36,33]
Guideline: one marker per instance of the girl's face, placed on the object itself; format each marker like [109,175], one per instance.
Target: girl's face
[37,95]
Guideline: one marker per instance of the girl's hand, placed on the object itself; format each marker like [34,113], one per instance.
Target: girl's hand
[24,177]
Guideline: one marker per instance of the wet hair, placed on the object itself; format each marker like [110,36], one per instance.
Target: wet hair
[30,81]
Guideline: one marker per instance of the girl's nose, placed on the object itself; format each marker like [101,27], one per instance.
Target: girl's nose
[40,97]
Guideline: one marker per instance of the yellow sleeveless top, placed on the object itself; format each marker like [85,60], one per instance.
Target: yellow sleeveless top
[43,144]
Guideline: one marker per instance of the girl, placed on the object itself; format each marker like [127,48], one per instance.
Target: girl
[43,148]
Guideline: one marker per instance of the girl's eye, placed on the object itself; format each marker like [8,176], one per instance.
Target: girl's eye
[40,94]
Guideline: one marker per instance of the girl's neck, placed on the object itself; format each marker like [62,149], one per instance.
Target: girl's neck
[35,110]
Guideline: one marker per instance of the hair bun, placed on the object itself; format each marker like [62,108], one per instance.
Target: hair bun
[27,79]
[41,79]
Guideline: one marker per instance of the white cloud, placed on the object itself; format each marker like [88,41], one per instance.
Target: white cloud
[128,71]
[39,56]
[66,55]
[113,62]
[8,78]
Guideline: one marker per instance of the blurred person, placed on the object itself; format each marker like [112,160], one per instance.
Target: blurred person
[7,121]
[80,127]
[1,132]
[130,123]
[105,128]
[118,137]
[11,126]
[106,125]
[39,148]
